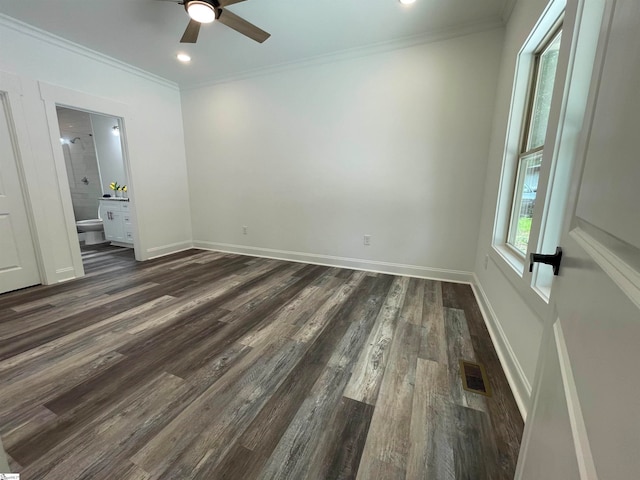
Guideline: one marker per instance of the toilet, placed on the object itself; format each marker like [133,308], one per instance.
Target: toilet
[93,230]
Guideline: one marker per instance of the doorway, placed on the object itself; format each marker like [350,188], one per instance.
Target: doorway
[95,166]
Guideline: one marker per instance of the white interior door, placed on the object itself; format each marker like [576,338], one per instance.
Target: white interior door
[585,420]
[18,264]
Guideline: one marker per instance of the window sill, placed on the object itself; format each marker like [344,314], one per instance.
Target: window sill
[513,259]
[512,265]
[544,292]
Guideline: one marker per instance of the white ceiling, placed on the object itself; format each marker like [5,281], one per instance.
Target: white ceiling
[146,33]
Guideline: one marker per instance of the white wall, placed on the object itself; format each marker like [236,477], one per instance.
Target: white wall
[393,145]
[154,136]
[519,328]
[109,152]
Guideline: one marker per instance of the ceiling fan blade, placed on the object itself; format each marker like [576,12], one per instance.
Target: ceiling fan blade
[239,24]
[226,3]
[191,33]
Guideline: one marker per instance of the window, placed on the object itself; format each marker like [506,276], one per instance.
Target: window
[542,142]
[532,143]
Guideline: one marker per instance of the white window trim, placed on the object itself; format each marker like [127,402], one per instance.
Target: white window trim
[581,28]
[510,261]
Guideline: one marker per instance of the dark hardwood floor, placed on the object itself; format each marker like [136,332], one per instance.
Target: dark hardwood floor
[215,366]
[95,258]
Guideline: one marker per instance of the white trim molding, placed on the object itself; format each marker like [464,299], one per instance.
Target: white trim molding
[11,92]
[620,272]
[53,96]
[163,250]
[39,34]
[64,191]
[456,276]
[358,52]
[4,463]
[518,381]
[65,274]
[586,465]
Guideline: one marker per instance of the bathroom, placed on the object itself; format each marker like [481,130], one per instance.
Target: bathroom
[92,149]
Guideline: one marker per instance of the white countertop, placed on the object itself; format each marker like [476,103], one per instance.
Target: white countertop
[115,199]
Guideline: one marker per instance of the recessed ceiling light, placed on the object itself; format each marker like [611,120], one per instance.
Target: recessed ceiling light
[200,11]
[183,57]
[407,2]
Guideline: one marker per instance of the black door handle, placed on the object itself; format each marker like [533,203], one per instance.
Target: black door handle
[548,259]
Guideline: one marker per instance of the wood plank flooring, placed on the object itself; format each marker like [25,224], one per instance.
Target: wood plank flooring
[204,365]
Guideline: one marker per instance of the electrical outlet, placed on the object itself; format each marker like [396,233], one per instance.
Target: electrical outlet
[367,239]
[245,229]
[486,261]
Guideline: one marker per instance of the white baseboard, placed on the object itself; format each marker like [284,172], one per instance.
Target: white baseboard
[4,463]
[520,386]
[342,262]
[155,252]
[65,274]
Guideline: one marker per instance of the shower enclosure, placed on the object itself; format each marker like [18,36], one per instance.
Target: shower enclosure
[76,136]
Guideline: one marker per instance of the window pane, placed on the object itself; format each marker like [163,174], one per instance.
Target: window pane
[524,201]
[546,74]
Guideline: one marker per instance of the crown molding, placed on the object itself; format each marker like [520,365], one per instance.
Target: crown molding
[47,37]
[342,55]
[357,52]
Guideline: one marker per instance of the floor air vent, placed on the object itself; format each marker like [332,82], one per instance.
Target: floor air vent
[474,378]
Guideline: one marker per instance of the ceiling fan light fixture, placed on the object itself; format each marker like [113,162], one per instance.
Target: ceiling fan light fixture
[201,12]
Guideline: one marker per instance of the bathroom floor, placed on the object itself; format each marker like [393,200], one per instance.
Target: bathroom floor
[103,257]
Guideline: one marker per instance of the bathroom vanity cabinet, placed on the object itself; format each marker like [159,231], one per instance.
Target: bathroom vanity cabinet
[117,220]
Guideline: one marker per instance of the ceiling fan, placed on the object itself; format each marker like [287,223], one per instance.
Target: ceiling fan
[206,11]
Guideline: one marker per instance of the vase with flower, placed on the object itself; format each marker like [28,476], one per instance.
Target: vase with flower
[117,189]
